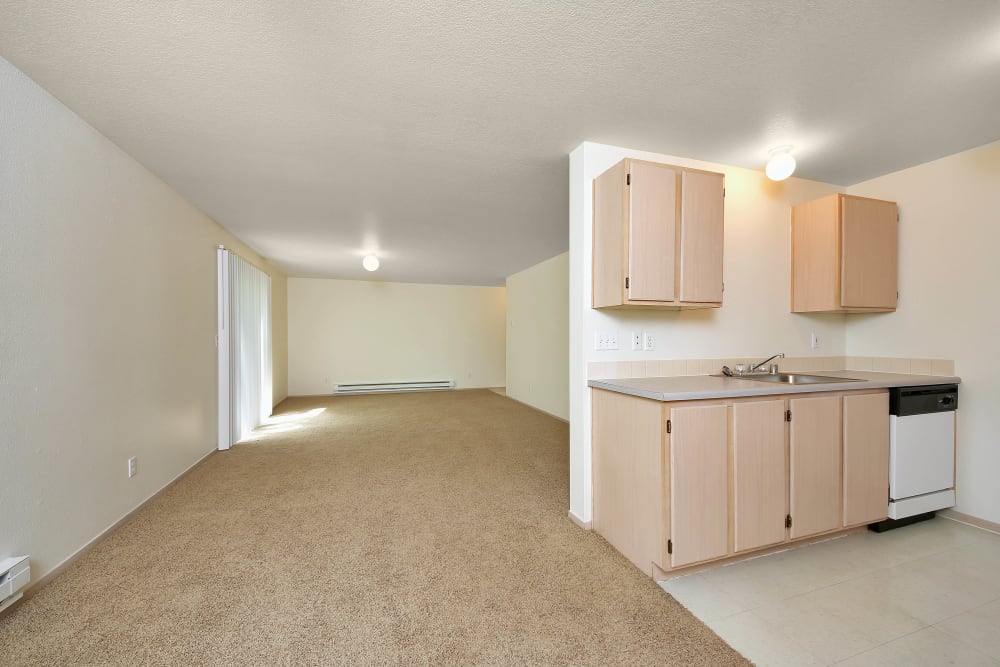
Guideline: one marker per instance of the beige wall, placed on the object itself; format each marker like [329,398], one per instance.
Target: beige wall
[107,344]
[537,332]
[359,331]
[949,274]
[754,321]
[279,334]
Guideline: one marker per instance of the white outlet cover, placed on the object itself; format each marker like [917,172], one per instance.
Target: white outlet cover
[814,341]
[648,342]
[133,467]
[636,340]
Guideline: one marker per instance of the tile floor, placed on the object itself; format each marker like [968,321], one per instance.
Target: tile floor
[926,594]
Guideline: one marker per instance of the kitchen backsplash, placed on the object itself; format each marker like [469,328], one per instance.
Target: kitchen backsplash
[673,367]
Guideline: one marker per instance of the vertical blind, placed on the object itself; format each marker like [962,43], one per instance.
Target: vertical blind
[244,348]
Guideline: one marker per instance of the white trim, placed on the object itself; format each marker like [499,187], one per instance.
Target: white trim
[222,346]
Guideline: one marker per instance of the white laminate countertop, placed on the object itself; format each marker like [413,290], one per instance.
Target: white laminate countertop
[695,387]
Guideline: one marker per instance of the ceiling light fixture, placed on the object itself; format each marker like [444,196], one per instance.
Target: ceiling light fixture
[780,164]
[370,262]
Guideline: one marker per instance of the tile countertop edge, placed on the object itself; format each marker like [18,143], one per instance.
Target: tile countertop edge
[698,387]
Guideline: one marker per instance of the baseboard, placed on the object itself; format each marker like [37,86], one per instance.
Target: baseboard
[34,587]
[537,409]
[586,525]
[969,520]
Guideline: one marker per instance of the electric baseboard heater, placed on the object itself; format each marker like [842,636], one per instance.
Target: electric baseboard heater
[14,575]
[387,387]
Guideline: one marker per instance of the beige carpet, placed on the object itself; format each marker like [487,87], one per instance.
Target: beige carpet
[402,529]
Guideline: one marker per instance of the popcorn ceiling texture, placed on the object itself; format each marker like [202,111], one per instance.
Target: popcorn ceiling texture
[437,132]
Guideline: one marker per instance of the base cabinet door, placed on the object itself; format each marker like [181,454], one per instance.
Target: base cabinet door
[814,457]
[759,474]
[866,458]
[699,483]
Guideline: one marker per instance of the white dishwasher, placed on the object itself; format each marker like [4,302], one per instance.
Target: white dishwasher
[921,451]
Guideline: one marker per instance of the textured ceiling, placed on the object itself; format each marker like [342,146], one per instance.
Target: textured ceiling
[436,133]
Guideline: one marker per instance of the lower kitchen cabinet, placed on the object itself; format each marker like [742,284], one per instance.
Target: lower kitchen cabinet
[866,458]
[699,483]
[676,484]
[814,478]
[759,474]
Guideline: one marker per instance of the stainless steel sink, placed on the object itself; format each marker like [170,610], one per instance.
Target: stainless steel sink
[795,378]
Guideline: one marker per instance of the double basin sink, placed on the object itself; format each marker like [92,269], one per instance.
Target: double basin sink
[792,378]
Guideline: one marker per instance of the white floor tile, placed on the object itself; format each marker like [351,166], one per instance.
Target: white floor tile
[867,598]
[979,627]
[839,621]
[762,643]
[928,647]
[702,598]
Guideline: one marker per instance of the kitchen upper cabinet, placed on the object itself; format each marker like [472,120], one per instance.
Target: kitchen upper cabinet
[759,474]
[699,483]
[866,458]
[844,255]
[658,236]
[814,459]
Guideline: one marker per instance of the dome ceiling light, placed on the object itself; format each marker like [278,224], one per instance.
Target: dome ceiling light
[780,164]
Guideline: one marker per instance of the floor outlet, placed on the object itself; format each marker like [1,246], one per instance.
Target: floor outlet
[636,340]
[132,467]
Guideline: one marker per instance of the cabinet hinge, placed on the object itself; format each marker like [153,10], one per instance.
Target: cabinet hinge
[626,282]
[788,521]
[628,179]
[670,427]
[788,415]
[670,546]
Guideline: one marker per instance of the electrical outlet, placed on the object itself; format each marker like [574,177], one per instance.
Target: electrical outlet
[133,467]
[814,341]
[605,341]
[647,341]
[636,340]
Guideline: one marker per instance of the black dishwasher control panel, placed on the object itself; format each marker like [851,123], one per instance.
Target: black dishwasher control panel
[906,401]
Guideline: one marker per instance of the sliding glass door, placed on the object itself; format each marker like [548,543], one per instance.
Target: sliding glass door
[244,344]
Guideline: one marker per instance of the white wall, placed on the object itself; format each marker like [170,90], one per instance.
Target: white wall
[949,274]
[537,333]
[358,331]
[107,341]
[754,320]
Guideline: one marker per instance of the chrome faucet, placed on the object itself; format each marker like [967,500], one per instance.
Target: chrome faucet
[774,368]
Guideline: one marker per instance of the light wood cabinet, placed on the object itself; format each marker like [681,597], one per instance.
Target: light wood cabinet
[699,482]
[866,458]
[677,484]
[814,458]
[844,255]
[657,237]
[760,501]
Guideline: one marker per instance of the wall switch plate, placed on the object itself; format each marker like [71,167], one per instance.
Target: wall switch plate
[604,340]
[647,341]
[133,467]
[814,341]
[636,340]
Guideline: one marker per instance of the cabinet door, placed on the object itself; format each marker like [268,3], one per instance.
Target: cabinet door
[869,245]
[866,458]
[699,483]
[652,232]
[815,262]
[702,205]
[815,465]
[759,486]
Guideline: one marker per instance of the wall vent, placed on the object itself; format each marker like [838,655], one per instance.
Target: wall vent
[387,387]
[14,575]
